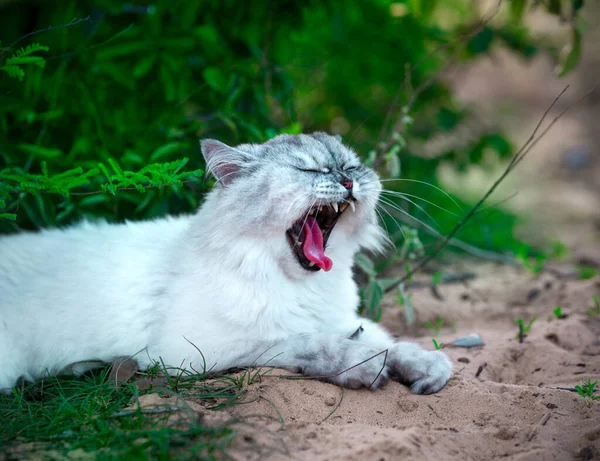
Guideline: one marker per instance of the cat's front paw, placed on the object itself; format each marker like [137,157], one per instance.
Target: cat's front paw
[358,366]
[426,372]
[371,374]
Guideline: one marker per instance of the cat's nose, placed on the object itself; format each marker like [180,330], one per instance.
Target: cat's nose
[347,183]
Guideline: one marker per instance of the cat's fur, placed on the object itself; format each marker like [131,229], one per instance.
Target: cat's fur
[223,281]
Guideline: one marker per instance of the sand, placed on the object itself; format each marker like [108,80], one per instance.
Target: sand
[509,411]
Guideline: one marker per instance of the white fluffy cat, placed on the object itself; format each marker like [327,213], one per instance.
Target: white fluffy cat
[260,275]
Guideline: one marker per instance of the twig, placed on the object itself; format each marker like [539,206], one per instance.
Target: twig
[520,155]
[150,411]
[446,279]
[467,248]
[74,22]
[301,377]
[570,389]
[480,369]
[521,333]
[336,407]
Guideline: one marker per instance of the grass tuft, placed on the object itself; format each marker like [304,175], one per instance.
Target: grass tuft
[57,416]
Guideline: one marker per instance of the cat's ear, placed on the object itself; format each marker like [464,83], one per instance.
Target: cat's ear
[223,161]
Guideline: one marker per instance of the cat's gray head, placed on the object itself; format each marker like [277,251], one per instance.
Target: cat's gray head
[301,192]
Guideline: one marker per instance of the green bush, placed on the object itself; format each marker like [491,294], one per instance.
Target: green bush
[100,115]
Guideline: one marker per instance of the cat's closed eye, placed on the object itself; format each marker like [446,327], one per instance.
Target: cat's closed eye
[315,170]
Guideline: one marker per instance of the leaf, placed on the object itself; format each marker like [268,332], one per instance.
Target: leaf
[394,166]
[365,264]
[577,5]
[93,201]
[32,48]
[169,83]
[574,55]
[372,297]
[517,9]
[41,152]
[405,301]
[19,61]
[143,66]
[9,216]
[386,283]
[215,79]
[165,150]
[14,72]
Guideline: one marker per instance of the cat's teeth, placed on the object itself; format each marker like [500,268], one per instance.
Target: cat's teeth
[352,205]
[335,206]
[311,264]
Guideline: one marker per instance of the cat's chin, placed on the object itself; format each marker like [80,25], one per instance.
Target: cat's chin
[308,236]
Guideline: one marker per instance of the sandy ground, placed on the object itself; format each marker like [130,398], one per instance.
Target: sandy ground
[509,411]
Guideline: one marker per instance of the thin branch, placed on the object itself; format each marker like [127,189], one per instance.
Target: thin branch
[150,411]
[74,22]
[520,155]
[467,248]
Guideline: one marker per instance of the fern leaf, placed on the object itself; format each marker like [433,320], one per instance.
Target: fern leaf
[19,61]
[14,72]
[29,49]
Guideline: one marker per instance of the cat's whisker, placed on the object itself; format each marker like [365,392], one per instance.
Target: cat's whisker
[293,202]
[390,202]
[435,232]
[420,182]
[307,213]
[378,205]
[404,194]
[398,208]
[374,204]
[387,237]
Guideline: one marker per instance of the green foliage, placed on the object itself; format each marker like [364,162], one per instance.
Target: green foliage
[587,272]
[523,328]
[587,389]
[128,89]
[531,259]
[404,300]
[13,66]
[437,345]
[558,313]
[437,278]
[596,309]
[569,12]
[100,117]
[89,413]
[434,328]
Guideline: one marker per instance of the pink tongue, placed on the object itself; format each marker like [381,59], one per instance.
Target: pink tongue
[313,244]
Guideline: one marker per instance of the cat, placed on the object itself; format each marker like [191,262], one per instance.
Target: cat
[261,274]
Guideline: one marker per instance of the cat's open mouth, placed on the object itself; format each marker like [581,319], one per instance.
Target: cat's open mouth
[308,236]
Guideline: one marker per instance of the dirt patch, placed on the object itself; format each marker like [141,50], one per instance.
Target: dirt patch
[509,410]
